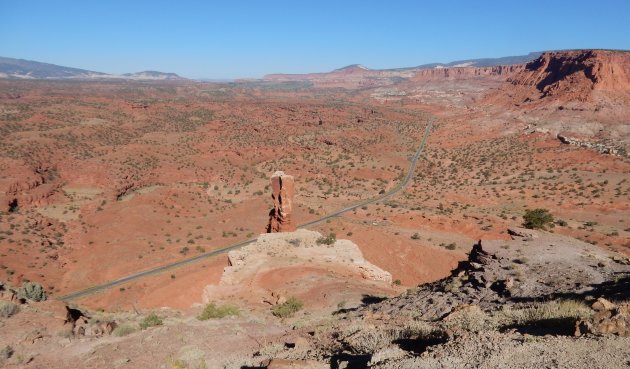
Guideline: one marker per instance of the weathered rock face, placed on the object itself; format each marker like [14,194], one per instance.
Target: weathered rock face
[280,217]
[498,72]
[573,75]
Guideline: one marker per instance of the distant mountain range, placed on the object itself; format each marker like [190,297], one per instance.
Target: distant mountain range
[478,63]
[26,69]
[484,62]
[359,76]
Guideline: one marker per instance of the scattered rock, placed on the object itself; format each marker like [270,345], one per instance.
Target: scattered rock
[276,298]
[524,233]
[599,147]
[608,319]
[603,305]
[621,260]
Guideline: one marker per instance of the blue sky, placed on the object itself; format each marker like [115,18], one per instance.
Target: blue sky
[229,39]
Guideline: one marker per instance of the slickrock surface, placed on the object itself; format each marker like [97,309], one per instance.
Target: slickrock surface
[280,265]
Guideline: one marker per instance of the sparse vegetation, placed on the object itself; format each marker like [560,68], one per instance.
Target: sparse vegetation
[8,309]
[213,311]
[327,240]
[287,309]
[5,353]
[123,330]
[151,320]
[561,223]
[471,319]
[548,311]
[451,246]
[32,291]
[362,339]
[537,219]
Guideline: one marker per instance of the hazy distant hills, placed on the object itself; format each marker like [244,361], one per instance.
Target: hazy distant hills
[484,62]
[358,76]
[151,74]
[26,69]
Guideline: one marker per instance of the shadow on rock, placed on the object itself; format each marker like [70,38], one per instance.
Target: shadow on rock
[419,345]
[349,361]
[613,290]
[552,326]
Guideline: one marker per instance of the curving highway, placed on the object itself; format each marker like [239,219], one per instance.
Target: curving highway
[402,184]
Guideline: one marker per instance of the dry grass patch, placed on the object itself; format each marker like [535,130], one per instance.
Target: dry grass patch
[552,317]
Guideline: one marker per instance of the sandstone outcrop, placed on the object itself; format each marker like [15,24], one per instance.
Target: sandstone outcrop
[280,217]
[279,265]
[575,80]
[576,73]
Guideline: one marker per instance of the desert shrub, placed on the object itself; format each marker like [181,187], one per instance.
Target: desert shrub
[5,353]
[8,309]
[452,285]
[365,339]
[123,330]
[548,311]
[271,350]
[212,311]
[32,291]
[150,320]
[521,260]
[288,309]
[327,240]
[537,218]
[561,223]
[471,319]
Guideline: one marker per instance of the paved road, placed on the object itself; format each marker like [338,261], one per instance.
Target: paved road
[177,264]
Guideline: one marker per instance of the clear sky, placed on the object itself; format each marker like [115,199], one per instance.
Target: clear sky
[235,38]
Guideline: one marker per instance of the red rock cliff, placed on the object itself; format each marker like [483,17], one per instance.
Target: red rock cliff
[573,75]
[499,71]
